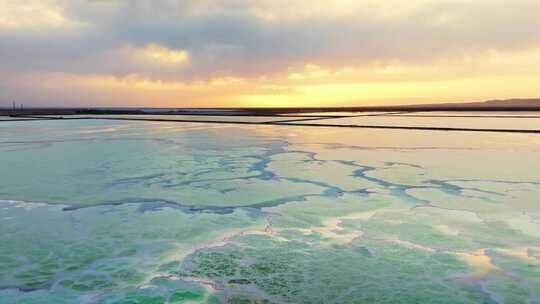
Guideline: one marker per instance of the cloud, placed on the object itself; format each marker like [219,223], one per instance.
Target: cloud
[33,15]
[156,54]
[254,37]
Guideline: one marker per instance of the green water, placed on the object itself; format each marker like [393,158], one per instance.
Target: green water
[102,211]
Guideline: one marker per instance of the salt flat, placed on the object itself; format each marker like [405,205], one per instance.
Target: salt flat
[110,211]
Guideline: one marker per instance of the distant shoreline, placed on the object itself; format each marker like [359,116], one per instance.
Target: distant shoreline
[255,112]
[487,106]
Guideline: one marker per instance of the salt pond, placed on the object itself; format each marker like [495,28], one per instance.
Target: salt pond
[104,211]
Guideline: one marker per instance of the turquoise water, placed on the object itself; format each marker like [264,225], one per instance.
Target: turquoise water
[103,211]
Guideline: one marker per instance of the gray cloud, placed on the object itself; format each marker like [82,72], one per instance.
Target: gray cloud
[228,38]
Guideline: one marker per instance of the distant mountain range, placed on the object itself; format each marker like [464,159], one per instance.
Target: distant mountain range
[529,104]
[496,103]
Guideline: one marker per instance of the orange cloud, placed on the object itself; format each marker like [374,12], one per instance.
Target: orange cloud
[157,54]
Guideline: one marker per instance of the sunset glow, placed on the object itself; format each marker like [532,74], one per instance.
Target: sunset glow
[266,53]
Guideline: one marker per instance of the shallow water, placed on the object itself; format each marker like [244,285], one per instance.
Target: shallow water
[438,121]
[220,118]
[104,211]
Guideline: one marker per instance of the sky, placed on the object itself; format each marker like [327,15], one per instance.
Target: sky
[267,53]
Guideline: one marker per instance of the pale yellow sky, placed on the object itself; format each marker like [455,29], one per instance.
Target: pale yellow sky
[267,53]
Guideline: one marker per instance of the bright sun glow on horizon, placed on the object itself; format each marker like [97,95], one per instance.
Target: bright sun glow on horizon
[266,53]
